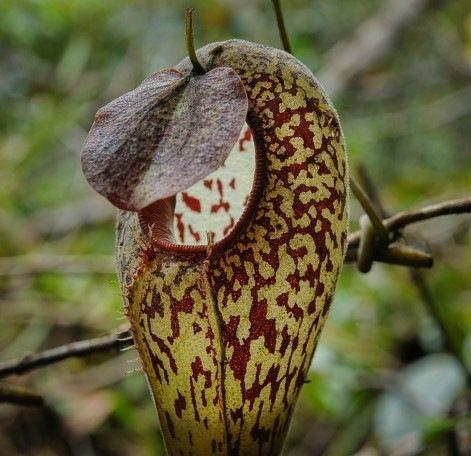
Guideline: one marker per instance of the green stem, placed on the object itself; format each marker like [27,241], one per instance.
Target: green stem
[281,26]
[365,182]
[368,206]
[405,255]
[367,247]
[190,47]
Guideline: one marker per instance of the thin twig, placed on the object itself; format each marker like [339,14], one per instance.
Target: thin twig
[397,254]
[190,46]
[281,25]
[401,219]
[368,207]
[370,189]
[116,340]
[405,218]
[19,396]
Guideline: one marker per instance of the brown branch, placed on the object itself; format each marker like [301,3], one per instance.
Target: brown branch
[405,218]
[19,396]
[397,254]
[370,42]
[116,340]
[401,219]
[366,252]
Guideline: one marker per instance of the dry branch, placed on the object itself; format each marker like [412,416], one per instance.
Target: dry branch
[116,340]
[405,218]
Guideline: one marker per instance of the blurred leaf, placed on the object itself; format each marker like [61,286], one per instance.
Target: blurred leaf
[424,390]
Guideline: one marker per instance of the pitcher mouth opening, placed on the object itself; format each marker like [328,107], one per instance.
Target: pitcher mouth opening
[164,220]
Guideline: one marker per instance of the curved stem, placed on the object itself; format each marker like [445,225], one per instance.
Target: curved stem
[367,247]
[395,254]
[402,219]
[190,46]
[367,205]
[281,26]
[404,255]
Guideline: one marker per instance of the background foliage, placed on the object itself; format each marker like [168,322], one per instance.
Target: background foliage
[381,380]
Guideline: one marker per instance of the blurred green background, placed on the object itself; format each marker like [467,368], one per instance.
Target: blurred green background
[383,380]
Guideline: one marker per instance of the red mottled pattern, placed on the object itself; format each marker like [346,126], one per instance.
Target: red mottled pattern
[295,239]
[223,193]
[226,335]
